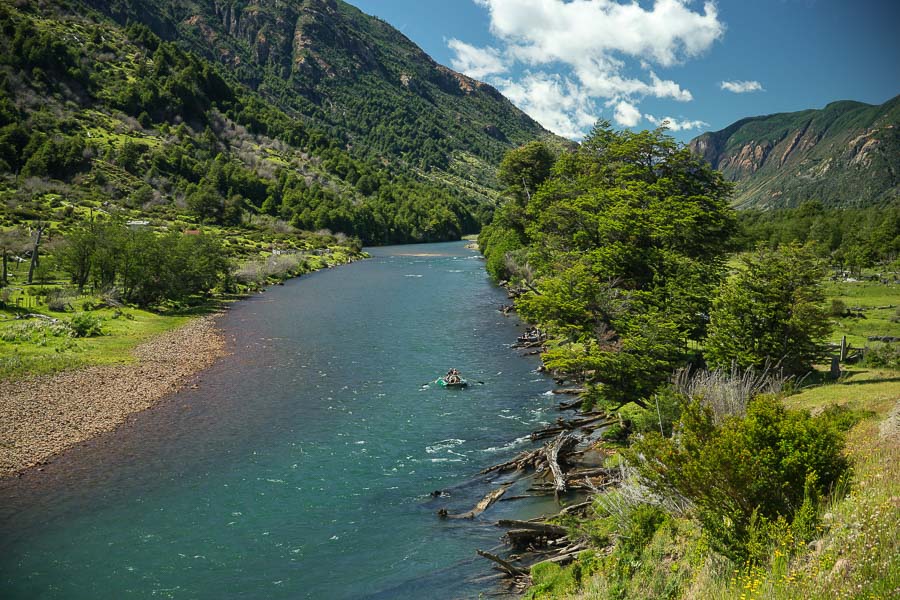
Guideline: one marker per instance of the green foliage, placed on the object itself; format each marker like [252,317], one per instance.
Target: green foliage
[85,325]
[524,169]
[497,242]
[770,313]
[661,414]
[625,246]
[148,268]
[643,523]
[850,239]
[886,356]
[838,308]
[747,473]
[549,580]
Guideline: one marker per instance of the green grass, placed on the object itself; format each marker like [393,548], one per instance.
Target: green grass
[870,321]
[44,353]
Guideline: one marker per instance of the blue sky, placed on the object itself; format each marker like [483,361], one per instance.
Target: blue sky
[701,64]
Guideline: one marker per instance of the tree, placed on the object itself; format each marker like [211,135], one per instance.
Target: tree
[77,254]
[625,246]
[525,168]
[36,235]
[771,311]
[206,202]
[12,241]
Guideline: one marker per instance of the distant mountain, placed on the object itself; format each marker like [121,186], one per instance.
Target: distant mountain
[352,75]
[846,154]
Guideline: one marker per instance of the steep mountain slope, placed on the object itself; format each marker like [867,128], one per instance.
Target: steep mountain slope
[305,111]
[353,75]
[846,154]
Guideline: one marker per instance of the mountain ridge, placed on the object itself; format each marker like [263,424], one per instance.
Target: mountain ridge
[844,154]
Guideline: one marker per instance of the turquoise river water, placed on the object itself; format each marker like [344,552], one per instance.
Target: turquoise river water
[301,465]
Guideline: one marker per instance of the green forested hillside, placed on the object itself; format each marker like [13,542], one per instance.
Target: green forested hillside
[844,155]
[355,77]
[95,115]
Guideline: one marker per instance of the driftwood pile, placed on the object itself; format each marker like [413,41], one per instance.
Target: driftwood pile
[533,543]
[557,467]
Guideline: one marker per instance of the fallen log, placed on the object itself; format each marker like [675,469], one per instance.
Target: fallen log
[544,528]
[510,568]
[482,505]
[592,472]
[574,508]
[38,316]
[567,556]
[590,423]
[559,446]
[528,539]
[522,460]
[570,391]
[570,405]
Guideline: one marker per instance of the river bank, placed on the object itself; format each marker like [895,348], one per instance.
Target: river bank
[41,416]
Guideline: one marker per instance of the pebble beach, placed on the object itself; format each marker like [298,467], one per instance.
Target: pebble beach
[42,416]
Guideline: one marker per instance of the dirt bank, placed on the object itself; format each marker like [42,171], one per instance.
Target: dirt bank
[41,416]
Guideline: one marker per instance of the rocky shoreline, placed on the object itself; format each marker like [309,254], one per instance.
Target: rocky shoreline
[42,416]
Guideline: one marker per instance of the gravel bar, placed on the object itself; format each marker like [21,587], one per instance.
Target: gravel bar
[42,416]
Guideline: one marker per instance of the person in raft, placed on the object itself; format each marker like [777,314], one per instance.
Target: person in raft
[452,376]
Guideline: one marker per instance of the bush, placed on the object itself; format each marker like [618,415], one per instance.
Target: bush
[883,357]
[85,325]
[59,301]
[838,308]
[663,412]
[744,470]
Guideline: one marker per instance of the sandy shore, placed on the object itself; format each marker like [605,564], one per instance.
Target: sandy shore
[41,416]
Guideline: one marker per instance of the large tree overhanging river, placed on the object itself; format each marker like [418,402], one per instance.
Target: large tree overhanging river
[301,465]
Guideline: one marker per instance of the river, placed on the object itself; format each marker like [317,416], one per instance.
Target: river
[301,465]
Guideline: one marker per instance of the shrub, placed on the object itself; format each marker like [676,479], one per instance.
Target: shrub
[58,300]
[883,357]
[85,325]
[663,411]
[843,418]
[727,393]
[35,331]
[744,470]
[838,308]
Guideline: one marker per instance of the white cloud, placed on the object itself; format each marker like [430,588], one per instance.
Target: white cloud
[553,101]
[593,40]
[675,125]
[742,87]
[476,62]
[557,30]
[627,114]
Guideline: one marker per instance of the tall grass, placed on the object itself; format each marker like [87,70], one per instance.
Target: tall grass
[728,393]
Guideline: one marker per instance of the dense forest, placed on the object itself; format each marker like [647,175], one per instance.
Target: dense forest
[848,239]
[93,115]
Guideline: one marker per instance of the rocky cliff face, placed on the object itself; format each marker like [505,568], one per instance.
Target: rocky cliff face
[845,154]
